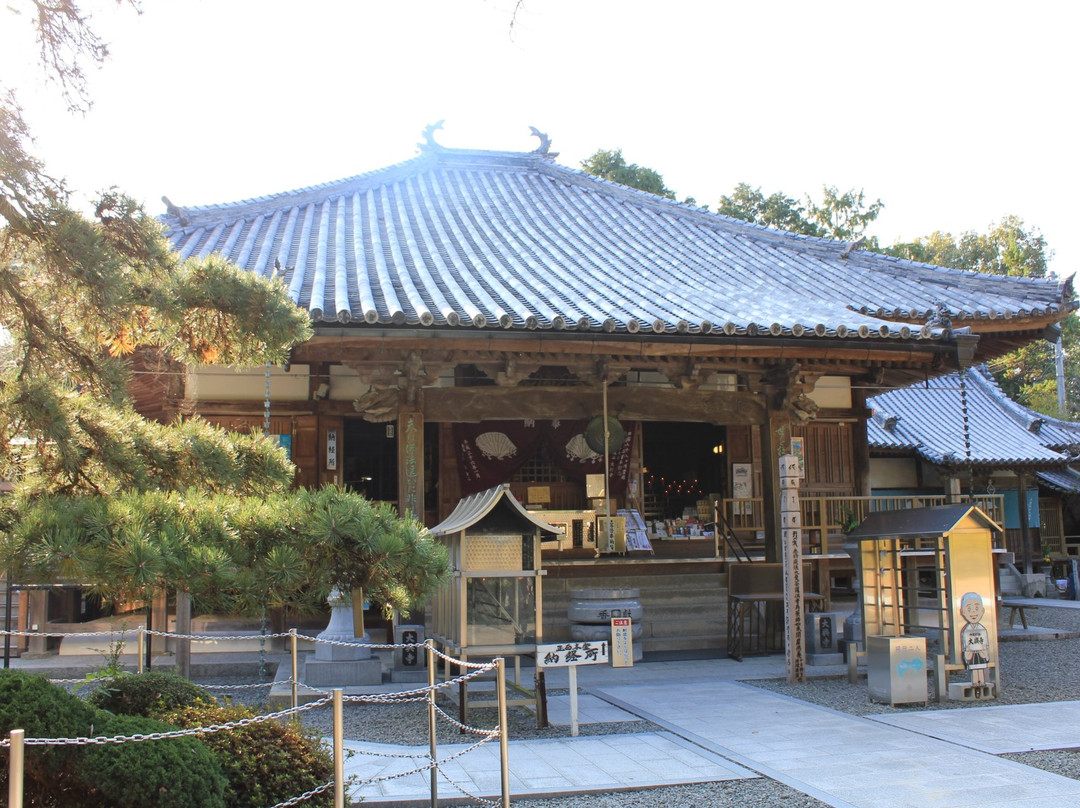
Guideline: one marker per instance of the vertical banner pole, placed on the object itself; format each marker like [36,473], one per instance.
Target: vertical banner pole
[339,751]
[504,746]
[791,545]
[430,651]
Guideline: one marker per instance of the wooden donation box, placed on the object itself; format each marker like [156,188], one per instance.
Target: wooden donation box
[492,605]
[930,573]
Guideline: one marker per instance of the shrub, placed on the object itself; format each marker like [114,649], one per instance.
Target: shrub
[267,762]
[168,773]
[32,703]
[147,694]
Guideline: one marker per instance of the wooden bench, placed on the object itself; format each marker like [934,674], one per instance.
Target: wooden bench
[1017,607]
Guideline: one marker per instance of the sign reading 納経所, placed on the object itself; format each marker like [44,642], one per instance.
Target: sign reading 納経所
[563,654]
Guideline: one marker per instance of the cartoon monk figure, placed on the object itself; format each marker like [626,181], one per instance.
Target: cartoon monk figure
[974,638]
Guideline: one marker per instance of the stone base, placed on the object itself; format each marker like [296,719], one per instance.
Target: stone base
[323,673]
[825,659]
[409,677]
[966,691]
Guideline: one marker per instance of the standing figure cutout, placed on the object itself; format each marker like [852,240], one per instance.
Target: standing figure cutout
[974,638]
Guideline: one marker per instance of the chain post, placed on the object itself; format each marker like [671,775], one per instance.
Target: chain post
[339,751]
[430,651]
[504,747]
[15,768]
[295,677]
[142,645]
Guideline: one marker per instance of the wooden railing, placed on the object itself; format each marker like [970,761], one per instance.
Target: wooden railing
[824,519]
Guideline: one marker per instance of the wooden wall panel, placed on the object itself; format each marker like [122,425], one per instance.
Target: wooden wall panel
[829,457]
[304,450]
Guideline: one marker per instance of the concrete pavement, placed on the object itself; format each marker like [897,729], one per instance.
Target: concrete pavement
[717,727]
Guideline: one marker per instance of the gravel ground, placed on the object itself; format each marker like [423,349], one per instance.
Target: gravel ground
[1031,671]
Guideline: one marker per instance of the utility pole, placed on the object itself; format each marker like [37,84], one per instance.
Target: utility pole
[1059,363]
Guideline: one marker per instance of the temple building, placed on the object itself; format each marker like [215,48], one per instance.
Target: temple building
[487,317]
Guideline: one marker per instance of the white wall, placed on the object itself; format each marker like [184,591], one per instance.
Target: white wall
[219,382]
[833,392]
[893,472]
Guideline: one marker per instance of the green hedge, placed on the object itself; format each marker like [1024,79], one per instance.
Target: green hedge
[165,773]
[147,694]
[266,762]
[32,703]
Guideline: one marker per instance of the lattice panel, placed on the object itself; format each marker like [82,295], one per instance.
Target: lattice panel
[492,553]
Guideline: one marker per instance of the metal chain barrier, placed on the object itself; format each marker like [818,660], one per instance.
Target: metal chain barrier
[179,733]
[464,727]
[424,694]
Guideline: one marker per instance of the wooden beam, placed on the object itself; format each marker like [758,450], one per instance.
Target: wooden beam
[459,404]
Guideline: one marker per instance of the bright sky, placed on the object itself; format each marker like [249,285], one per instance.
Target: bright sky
[953,113]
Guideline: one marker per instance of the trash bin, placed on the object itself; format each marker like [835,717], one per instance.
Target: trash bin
[896,669]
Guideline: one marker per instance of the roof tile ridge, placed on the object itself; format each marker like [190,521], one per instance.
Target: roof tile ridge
[252,204]
[705,215]
[1063,285]
[1025,417]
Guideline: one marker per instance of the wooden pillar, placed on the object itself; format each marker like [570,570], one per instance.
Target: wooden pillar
[1025,527]
[860,444]
[38,620]
[953,489]
[775,439]
[410,430]
[183,626]
[159,645]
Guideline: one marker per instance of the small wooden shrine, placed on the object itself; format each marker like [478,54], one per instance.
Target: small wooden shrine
[931,572]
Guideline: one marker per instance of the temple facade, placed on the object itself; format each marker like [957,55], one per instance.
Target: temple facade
[487,317]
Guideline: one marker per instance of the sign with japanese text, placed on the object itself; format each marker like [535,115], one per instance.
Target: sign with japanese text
[562,654]
[622,643]
[331,449]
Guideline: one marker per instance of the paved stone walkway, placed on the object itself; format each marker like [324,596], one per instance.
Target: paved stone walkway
[719,728]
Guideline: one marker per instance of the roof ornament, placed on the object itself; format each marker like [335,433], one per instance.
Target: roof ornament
[175,211]
[429,136]
[545,141]
[941,318]
[852,247]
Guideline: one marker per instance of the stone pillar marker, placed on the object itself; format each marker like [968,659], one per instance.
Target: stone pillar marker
[791,546]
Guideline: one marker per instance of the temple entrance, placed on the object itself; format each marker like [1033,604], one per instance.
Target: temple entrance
[684,462]
[370,459]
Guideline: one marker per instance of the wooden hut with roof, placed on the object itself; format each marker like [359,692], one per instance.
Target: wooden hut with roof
[962,435]
[474,311]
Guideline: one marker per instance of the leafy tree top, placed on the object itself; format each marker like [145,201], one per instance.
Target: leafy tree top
[843,216]
[80,293]
[611,165]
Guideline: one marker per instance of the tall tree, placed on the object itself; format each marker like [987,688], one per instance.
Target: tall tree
[776,210]
[103,493]
[1011,247]
[611,165]
[842,216]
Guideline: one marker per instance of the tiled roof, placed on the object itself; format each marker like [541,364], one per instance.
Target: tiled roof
[928,418]
[513,240]
[1066,480]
